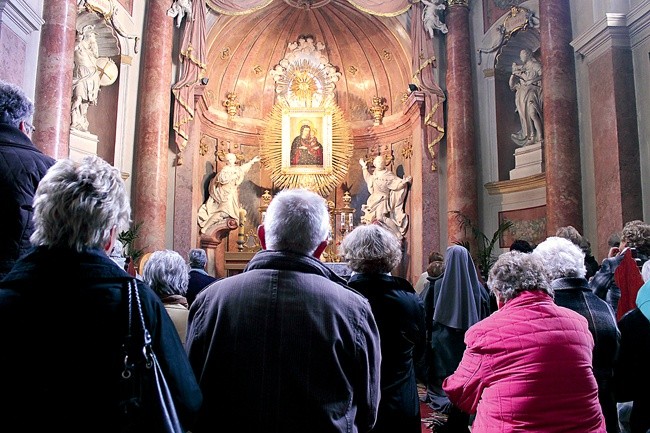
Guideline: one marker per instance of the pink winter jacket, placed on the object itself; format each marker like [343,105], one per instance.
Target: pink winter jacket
[527,368]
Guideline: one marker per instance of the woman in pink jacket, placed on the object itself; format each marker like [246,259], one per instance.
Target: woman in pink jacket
[527,367]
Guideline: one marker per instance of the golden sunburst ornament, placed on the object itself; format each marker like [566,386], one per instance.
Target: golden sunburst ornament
[320,179]
[303,85]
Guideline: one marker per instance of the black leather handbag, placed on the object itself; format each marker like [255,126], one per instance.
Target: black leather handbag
[147,404]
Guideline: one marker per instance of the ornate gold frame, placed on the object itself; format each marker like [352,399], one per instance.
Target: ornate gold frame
[337,148]
[319,120]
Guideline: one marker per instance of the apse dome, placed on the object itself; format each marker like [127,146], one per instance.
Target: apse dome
[371,54]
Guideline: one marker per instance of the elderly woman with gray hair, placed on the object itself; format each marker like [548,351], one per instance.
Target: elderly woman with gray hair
[528,366]
[565,267]
[372,252]
[167,274]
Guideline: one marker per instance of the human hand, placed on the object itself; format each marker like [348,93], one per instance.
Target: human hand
[613,252]
[408,179]
[363,163]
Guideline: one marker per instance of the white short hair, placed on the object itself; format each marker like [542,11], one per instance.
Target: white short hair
[296,220]
[371,249]
[166,273]
[561,257]
[78,203]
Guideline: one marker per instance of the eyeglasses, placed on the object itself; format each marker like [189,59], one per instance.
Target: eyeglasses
[29,128]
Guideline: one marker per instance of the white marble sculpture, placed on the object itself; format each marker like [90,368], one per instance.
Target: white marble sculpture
[431,16]
[85,79]
[526,82]
[223,201]
[387,197]
[179,10]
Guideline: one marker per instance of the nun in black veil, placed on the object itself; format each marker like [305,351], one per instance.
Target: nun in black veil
[452,303]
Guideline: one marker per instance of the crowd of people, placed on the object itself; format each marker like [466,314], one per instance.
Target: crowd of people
[551,342]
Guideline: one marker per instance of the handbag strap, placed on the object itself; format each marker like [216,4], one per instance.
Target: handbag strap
[133,297]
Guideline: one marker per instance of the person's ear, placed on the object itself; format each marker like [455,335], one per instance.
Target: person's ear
[111,241]
[261,235]
[319,249]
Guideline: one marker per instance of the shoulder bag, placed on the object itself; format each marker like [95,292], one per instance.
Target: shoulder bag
[147,403]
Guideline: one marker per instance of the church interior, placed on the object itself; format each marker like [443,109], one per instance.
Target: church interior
[449,121]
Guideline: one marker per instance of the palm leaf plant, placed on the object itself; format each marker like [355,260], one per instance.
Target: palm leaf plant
[484,255]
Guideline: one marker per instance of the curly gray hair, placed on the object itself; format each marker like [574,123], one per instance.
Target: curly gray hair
[15,106]
[296,220]
[515,272]
[371,249]
[166,273]
[561,258]
[77,204]
[197,258]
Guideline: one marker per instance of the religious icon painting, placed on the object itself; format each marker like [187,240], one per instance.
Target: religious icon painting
[306,141]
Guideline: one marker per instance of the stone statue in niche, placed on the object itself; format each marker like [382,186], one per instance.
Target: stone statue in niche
[431,16]
[85,76]
[526,82]
[223,201]
[387,197]
[179,9]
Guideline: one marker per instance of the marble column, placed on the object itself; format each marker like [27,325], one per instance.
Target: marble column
[54,78]
[462,194]
[614,127]
[561,138]
[152,155]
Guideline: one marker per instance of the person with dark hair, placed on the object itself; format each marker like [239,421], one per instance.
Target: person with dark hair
[22,166]
[434,265]
[619,267]
[290,329]
[199,278]
[64,315]
[572,234]
[521,245]
[372,252]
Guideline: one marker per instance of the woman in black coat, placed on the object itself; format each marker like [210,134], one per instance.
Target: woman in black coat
[372,252]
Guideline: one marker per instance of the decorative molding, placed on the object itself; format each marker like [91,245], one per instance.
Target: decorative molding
[20,13]
[639,23]
[516,185]
[611,31]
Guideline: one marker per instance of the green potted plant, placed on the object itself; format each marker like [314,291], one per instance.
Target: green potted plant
[484,255]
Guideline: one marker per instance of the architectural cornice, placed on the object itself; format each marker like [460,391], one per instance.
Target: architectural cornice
[20,13]
[612,31]
[516,185]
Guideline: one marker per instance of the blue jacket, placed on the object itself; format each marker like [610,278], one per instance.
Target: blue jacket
[289,337]
[22,166]
[63,319]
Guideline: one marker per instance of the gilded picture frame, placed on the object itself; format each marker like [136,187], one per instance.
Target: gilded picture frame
[315,155]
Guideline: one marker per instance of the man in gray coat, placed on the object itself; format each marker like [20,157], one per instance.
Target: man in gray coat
[286,346]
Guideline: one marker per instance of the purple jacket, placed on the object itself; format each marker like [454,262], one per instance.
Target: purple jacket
[288,336]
